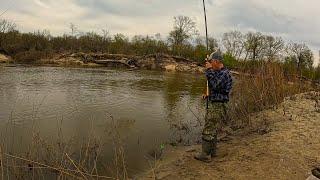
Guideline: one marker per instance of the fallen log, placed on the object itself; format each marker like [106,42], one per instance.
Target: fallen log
[108,62]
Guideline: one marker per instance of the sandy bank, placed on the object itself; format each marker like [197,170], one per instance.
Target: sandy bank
[283,143]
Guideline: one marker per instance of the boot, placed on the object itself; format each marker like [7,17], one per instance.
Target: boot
[214,146]
[316,172]
[207,152]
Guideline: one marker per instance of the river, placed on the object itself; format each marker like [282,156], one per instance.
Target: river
[151,109]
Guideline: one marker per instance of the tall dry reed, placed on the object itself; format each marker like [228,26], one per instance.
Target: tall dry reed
[260,88]
[62,158]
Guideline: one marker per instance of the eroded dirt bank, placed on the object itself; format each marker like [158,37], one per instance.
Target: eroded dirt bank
[284,145]
[150,62]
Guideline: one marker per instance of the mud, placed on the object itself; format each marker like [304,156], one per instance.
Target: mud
[282,143]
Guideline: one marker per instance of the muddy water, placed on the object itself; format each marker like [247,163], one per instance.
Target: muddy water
[151,108]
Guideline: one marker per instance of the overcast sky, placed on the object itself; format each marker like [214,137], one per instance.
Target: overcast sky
[294,20]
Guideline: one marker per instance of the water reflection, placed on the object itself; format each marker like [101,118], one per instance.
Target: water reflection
[182,99]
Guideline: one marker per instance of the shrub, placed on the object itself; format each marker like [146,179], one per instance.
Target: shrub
[255,92]
[230,61]
[31,56]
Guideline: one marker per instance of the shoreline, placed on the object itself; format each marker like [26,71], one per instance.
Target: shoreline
[287,148]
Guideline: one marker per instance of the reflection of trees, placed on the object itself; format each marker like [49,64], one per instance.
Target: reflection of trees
[177,85]
[180,91]
[197,85]
[173,87]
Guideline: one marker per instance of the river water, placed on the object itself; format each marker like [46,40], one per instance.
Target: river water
[151,109]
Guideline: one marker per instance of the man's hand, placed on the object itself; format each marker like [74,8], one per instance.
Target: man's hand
[204,96]
[208,65]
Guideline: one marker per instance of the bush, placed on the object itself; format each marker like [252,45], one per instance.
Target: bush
[230,61]
[31,56]
[259,91]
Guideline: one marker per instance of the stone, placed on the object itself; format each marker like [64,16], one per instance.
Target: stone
[4,59]
[170,67]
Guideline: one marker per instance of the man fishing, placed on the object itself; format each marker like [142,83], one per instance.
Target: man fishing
[220,84]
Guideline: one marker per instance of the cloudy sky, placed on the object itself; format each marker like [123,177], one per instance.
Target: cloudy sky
[294,20]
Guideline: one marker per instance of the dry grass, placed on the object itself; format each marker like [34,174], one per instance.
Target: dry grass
[32,56]
[263,88]
[61,159]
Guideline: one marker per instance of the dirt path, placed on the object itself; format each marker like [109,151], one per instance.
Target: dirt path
[288,148]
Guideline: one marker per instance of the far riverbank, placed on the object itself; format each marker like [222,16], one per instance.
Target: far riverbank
[148,62]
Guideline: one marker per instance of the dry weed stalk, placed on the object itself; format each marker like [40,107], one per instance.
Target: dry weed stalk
[1,163]
[263,88]
[61,158]
[119,161]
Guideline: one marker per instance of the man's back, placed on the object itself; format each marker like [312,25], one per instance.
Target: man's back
[220,84]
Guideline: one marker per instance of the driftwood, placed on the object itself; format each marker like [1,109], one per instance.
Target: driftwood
[112,62]
[102,56]
[176,58]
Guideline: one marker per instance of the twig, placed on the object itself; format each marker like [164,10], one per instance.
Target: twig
[61,170]
[123,164]
[41,164]
[76,166]
[26,167]
[153,168]
[1,161]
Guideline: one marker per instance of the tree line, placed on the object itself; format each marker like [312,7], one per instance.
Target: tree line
[183,40]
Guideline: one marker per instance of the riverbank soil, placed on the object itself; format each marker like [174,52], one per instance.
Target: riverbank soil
[284,144]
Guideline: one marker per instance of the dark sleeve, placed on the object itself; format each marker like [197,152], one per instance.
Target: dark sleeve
[213,78]
[229,82]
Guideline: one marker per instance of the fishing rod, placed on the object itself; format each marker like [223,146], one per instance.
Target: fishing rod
[207,42]
[206,25]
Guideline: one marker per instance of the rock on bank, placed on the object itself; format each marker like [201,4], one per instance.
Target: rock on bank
[4,59]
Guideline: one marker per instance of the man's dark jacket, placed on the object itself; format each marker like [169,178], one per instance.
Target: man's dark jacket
[220,84]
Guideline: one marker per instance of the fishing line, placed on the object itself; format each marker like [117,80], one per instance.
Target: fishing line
[5,11]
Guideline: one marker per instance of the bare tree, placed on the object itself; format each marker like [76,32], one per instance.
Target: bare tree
[184,28]
[213,44]
[74,29]
[157,36]
[6,26]
[273,47]
[233,42]
[106,34]
[301,55]
[254,45]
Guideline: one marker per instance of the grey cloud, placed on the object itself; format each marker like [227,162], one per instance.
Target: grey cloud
[137,8]
[251,15]
[156,16]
